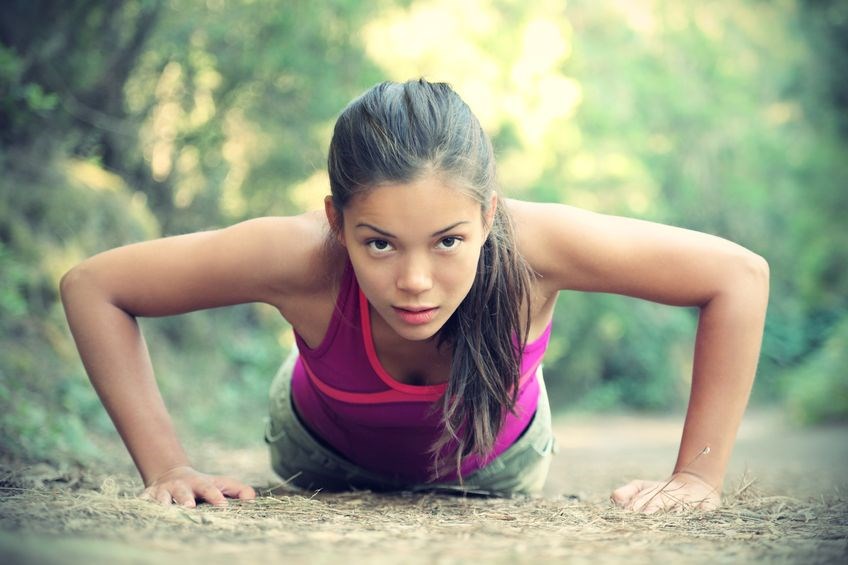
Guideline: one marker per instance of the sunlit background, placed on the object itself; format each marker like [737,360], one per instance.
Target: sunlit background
[129,120]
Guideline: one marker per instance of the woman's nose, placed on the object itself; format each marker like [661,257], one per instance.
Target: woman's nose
[415,275]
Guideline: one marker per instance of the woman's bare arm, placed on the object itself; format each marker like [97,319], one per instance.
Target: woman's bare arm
[581,250]
[264,260]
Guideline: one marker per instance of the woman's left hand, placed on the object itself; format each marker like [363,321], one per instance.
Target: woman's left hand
[679,493]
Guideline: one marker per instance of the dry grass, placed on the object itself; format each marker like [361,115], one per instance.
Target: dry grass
[70,515]
[89,518]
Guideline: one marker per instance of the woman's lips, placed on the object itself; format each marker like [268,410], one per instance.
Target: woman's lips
[416,316]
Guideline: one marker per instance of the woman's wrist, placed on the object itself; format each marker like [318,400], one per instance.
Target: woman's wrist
[157,475]
[715,484]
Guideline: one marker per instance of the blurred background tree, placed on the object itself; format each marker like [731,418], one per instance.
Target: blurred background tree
[135,119]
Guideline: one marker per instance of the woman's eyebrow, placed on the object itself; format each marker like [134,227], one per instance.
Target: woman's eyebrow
[387,234]
[449,228]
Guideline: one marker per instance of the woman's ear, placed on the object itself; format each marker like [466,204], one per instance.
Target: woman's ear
[334,219]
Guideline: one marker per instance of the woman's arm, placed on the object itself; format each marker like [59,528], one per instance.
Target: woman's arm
[255,261]
[576,249]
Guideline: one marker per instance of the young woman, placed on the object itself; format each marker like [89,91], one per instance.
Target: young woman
[421,303]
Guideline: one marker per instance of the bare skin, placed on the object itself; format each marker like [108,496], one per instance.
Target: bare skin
[284,262]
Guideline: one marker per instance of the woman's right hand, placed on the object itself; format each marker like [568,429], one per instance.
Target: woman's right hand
[185,486]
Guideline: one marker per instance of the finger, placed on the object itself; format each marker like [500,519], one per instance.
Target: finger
[623,495]
[709,503]
[649,500]
[234,489]
[162,496]
[183,496]
[664,498]
[649,505]
[700,501]
[210,493]
[645,503]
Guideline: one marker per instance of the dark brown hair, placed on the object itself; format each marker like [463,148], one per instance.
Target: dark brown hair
[399,133]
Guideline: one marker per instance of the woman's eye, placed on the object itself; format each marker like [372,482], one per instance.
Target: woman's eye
[450,242]
[378,245]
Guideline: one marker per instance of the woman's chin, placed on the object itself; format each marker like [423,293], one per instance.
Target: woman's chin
[418,333]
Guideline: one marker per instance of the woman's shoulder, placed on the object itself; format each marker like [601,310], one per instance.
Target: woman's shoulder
[302,250]
[310,264]
[560,241]
[562,244]
[532,222]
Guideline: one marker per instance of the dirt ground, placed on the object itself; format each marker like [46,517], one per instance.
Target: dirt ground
[785,501]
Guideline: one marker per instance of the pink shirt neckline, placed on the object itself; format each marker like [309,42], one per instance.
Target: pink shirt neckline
[425,392]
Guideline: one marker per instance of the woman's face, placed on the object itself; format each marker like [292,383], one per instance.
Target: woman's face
[414,248]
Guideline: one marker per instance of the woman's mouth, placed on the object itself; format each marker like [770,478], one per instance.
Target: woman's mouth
[416,316]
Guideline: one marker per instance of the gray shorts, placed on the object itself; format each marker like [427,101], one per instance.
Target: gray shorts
[306,462]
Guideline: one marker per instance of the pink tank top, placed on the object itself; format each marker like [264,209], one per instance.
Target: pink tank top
[347,398]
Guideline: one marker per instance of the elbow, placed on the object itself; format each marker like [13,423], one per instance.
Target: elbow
[759,269]
[67,282]
[743,283]
[71,282]
[83,287]
[753,276]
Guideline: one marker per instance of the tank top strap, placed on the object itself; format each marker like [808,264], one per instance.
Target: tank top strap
[344,313]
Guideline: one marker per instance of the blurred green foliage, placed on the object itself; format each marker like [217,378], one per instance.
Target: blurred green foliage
[133,119]
[817,391]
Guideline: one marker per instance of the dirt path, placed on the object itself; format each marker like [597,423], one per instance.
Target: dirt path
[796,510]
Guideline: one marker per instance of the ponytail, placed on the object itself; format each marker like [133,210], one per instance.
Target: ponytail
[488,336]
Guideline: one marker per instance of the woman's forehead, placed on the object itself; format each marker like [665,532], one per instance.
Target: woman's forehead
[424,205]
[427,192]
